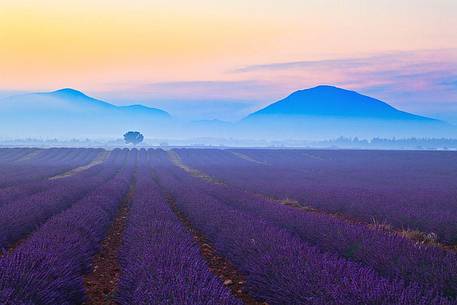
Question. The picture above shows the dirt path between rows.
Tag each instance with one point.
(247, 158)
(34, 153)
(101, 157)
(217, 264)
(413, 235)
(101, 283)
(10, 249)
(176, 160)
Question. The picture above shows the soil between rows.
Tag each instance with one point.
(413, 235)
(217, 264)
(101, 283)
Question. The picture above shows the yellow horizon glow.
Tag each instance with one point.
(48, 43)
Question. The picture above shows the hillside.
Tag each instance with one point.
(71, 113)
(327, 112)
(328, 101)
(322, 112)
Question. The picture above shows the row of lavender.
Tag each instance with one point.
(48, 268)
(8, 155)
(160, 261)
(251, 232)
(22, 216)
(280, 267)
(409, 190)
(388, 254)
(45, 164)
(35, 179)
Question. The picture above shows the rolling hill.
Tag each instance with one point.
(72, 101)
(70, 113)
(327, 111)
(335, 102)
(322, 112)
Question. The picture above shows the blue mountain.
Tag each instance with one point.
(322, 112)
(70, 101)
(333, 102)
(68, 95)
(327, 112)
(71, 113)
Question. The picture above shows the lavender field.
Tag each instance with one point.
(415, 190)
(235, 226)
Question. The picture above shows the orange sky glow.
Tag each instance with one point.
(104, 46)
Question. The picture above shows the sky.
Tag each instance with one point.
(222, 59)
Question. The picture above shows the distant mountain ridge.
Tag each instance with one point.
(325, 112)
(71, 113)
(75, 97)
(322, 112)
(329, 101)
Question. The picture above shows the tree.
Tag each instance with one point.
(133, 137)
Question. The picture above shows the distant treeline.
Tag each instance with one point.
(407, 143)
(338, 143)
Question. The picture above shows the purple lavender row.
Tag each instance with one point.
(389, 254)
(161, 263)
(42, 156)
(405, 189)
(24, 189)
(17, 167)
(48, 165)
(279, 267)
(408, 190)
(8, 155)
(21, 217)
(12, 154)
(48, 268)
(14, 173)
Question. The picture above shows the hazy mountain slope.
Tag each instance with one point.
(70, 100)
(71, 113)
(334, 102)
(318, 113)
(326, 112)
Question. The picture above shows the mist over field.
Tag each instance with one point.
(314, 114)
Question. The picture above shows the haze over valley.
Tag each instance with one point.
(319, 113)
